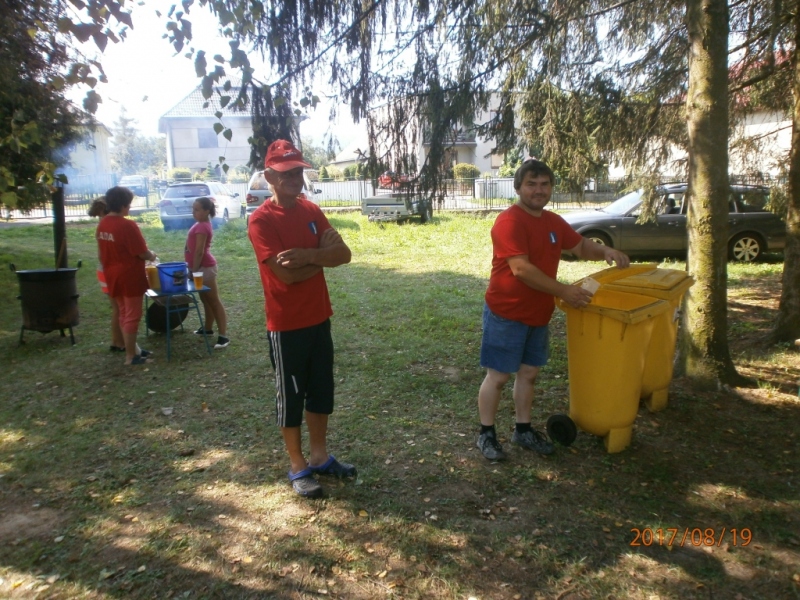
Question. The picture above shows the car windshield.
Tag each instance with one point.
(622, 205)
(187, 191)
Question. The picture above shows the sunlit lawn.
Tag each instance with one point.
(104, 493)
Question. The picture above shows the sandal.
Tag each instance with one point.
(335, 468)
(303, 483)
(138, 360)
(116, 348)
(145, 353)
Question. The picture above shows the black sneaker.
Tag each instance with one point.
(222, 342)
(490, 447)
(533, 440)
(304, 484)
(207, 331)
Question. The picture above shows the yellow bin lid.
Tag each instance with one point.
(621, 306)
(645, 279)
(658, 283)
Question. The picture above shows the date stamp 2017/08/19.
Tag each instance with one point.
(689, 536)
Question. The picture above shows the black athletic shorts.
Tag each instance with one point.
(303, 363)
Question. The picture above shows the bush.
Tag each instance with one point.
(511, 162)
(180, 173)
(323, 173)
(779, 200)
(240, 174)
(210, 174)
(335, 173)
(466, 171)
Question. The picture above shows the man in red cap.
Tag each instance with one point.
(293, 242)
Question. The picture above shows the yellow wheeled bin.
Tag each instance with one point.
(665, 284)
(607, 344)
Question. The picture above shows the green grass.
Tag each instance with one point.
(102, 495)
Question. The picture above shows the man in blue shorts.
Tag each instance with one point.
(527, 242)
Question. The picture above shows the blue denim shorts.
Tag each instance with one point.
(507, 344)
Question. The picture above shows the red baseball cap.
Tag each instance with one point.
(283, 156)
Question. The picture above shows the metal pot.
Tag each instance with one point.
(49, 300)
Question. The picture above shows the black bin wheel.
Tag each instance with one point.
(562, 429)
(157, 317)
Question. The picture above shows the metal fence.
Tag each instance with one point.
(484, 193)
(466, 194)
(79, 194)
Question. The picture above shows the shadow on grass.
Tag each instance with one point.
(201, 501)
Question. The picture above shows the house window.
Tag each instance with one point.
(497, 161)
(207, 138)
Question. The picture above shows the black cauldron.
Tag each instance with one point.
(49, 300)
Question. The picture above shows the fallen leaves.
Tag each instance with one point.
(289, 569)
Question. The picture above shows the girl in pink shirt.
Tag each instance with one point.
(197, 253)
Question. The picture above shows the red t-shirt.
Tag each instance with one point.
(120, 242)
(541, 239)
(273, 229)
(201, 227)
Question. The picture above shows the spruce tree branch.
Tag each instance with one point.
(769, 133)
(604, 11)
(336, 41)
(766, 73)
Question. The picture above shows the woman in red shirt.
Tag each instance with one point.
(99, 209)
(123, 251)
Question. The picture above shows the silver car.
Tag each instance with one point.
(752, 230)
(176, 204)
(258, 191)
(135, 183)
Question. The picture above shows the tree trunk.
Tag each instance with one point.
(705, 356)
(787, 325)
(59, 228)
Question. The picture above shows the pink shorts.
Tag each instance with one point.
(130, 313)
(209, 273)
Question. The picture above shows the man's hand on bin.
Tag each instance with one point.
(612, 256)
(575, 296)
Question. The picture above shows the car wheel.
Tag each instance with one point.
(225, 216)
(243, 212)
(599, 238)
(745, 247)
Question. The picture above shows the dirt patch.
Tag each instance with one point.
(19, 525)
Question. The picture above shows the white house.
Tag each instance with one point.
(191, 139)
(759, 145)
(90, 155)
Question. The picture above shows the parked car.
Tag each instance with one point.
(135, 183)
(392, 180)
(752, 229)
(175, 207)
(258, 191)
